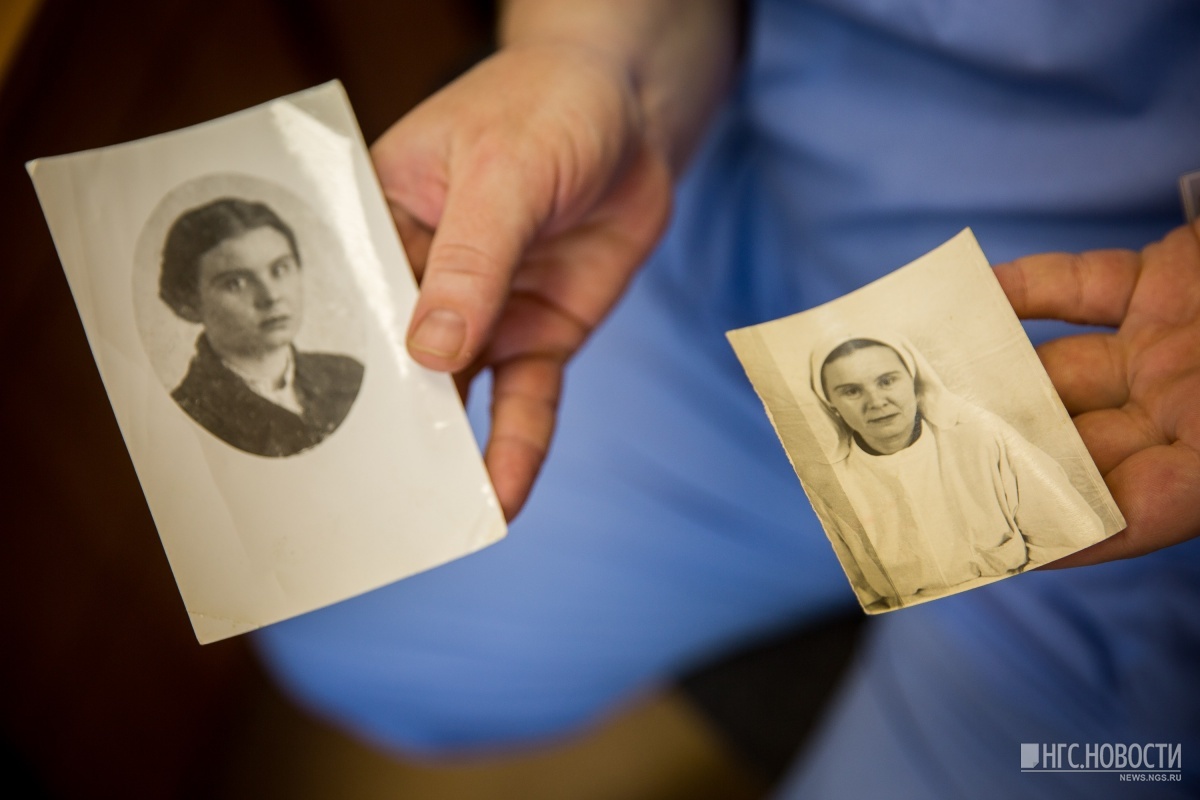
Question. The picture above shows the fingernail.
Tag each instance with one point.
(440, 333)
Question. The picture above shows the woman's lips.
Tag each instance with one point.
(883, 420)
(276, 322)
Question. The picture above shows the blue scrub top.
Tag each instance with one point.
(667, 525)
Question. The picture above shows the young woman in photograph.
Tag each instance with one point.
(233, 266)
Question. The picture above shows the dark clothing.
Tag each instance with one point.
(218, 399)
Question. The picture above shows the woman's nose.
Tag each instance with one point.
(268, 294)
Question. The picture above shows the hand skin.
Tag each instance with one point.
(1134, 394)
(529, 191)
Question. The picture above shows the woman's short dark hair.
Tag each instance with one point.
(199, 230)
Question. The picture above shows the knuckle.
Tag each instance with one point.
(460, 268)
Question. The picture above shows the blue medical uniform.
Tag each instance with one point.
(667, 525)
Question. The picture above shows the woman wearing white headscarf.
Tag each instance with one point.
(949, 496)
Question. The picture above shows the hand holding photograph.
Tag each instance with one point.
(926, 433)
(245, 295)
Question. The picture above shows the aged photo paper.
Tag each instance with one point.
(246, 297)
(1189, 195)
(926, 433)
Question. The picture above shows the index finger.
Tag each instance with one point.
(1092, 288)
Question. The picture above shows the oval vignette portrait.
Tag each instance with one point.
(248, 314)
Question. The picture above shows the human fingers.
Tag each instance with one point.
(1168, 291)
(416, 237)
(1088, 371)
(1156, 489)
(533, 341)
(522, 147)
(1113, 435)
(582, 272)
(565, 285)
(525, 394)
(1092, 288)
(489, 217)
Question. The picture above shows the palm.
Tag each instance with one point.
(1133, 392)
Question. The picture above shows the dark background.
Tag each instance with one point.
(105, 690)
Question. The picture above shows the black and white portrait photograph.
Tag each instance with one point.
(247, 277)
(244, 293)
(926, 434)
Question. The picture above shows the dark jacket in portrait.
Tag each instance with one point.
(218, 399)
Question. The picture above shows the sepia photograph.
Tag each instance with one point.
(245, 293)
(926, 434)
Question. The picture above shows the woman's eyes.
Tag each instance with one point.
(282, 267)
(854, 392)
(240, 283)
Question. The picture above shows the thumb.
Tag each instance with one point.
(491, 214)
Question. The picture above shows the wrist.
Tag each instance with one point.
(675, 58)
